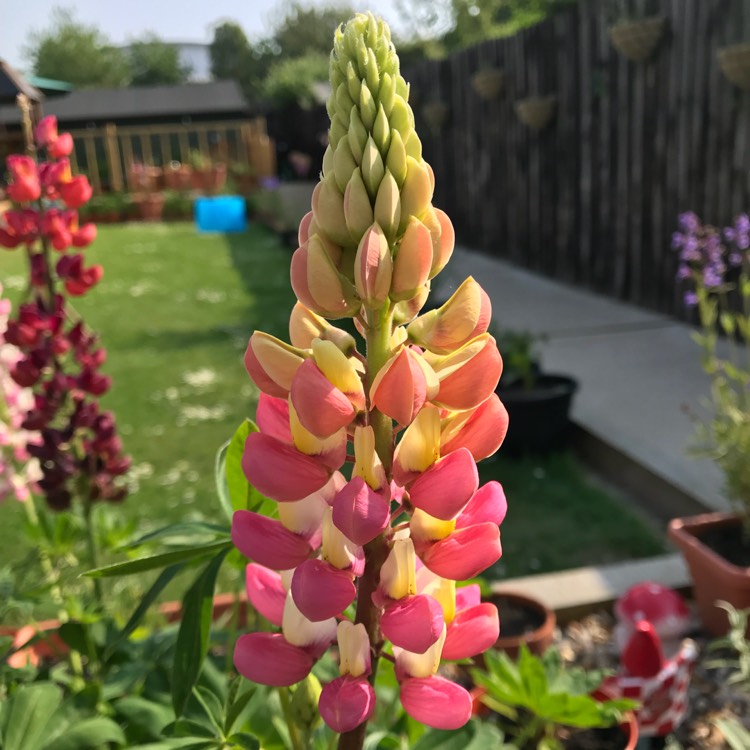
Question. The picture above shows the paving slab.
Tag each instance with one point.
(639, 371)
(573, 592)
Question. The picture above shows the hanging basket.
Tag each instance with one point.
(436, 113)
(536, 112)
(734, 62)
(638, 40)
(488, 83)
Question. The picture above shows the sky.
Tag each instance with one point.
(173, 20)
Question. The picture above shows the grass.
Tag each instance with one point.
(175, 310)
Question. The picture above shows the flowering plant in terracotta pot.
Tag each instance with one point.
(715, 267)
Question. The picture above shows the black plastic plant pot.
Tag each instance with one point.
(539, 416)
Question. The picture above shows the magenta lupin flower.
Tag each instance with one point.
(368, 558)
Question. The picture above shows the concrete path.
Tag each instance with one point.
(637, 369)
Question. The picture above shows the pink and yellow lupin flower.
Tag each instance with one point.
(369, 559)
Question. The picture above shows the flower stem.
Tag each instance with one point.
(378, 352)
(286, 707)
(92, 549)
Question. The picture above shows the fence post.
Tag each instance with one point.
(113, 156)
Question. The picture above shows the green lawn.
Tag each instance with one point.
(175, 310)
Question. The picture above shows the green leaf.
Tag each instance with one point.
(220, 480)
(734, 733)
(240, 490)
(148, 717)
(27, 714)
(146, 601)
(195, 628)
(236, 708)
(245, 741)
(88, 734)
(159, 561)
(184, 532)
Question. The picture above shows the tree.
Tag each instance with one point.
(293, 79)
(71, 51)
(308, 29)
(234, 58)
(153, 62)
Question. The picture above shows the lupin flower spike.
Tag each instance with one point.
(381, 551)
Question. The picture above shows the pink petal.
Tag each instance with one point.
(487, 505)
(346, 702)
(265, 592)
(267, 658)
(266, 541)
(472, 383)
(321, 591)
(272, 417)
(321, 407)
(400, 388)
(465, 553)
(472, 632)
(468, 596)
(280, 471)
(436, 702)
(484, 431)
(445, 488)
(413, 623)
(359, 512)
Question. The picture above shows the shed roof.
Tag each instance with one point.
(142, 102)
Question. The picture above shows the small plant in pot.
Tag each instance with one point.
(715, 266)
(541, 705)
(538, 403)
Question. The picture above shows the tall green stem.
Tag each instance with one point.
(378, 352)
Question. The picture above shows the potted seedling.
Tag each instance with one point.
(538, 403)
(177, 176)
(716, 546)
(541, 705)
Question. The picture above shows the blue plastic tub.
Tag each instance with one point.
(222, 213)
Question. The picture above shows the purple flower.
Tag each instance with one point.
(270, 183)
(742, 224)
(689, 222)
(713, 275)
(683, 272)
(691, 299)
(735, 259)
(677, 240)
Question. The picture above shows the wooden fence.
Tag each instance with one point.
(107, 154)
(593, 197)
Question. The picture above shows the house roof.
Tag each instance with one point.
(141, 102)
(13, 83)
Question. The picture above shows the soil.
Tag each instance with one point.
(517, 619)
(612, 738)
(728, 541)
(589, 643)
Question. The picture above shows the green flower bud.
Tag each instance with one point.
(388, 206)
(328, 210)
(372, 76)
(373, 169)
(413, 146)
(387, 93)
(328, 162)
(416, 192)
(353, 82)
(357, 207)
(396, 159)
(367, 108)
(338, 129)
(304, 704)
(343, 164)
(357, 135)
(344, 102)
(381, 131)
(401, 118)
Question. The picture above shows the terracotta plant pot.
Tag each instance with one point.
(734, 62)
(216, 177)
(143, 179)
(538, 637)
(178, 178)
(150, 206)
(638, 40)
(488, 83)
(714, 578)
(536, 112)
